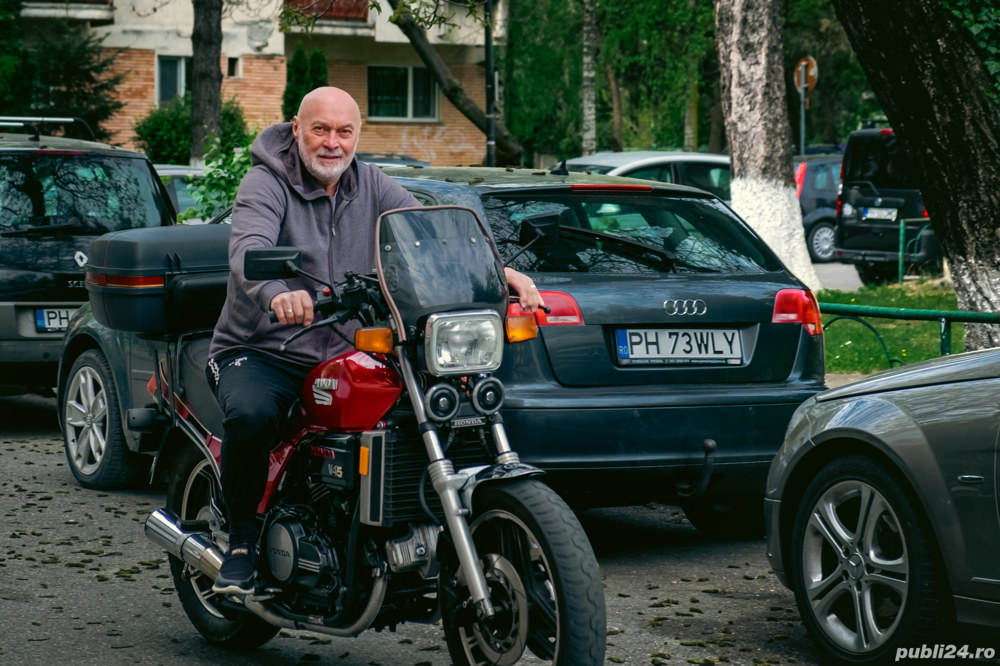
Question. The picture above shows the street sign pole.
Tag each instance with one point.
(802, 108)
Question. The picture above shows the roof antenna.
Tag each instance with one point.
(560, 170)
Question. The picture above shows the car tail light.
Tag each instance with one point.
(798, 306)
(598, 187)
(800, 177)
(840, 190)
(563, 310)
(926, 214)
(885, 131)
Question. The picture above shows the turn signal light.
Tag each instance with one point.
(798, 306)
(520, 324)
(375, 340)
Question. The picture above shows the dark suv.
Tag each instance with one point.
(56, 195)
(880, 212)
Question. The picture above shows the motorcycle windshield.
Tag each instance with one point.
(437, 259)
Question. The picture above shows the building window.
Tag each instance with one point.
(401, 93)
(233, 70)
(173, 74)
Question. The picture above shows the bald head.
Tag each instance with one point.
(327, 128)
(329, 99)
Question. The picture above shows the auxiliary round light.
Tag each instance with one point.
(442, 402)
(488, 395)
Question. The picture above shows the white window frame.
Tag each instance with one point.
(409, 117)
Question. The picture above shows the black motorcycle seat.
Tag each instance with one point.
(197, 392)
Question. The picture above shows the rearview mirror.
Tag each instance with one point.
(272, 263)
(537, 227)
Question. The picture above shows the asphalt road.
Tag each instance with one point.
(80, 584)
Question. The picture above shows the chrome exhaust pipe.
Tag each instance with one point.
(194, 548)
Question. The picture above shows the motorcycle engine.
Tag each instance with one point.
(297, 553)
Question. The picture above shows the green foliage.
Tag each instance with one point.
(542, 65)
(11, 52)
(164, 134)
(982, 18)
(842, 97)
(851, 347)
(304, 74)
(61, 71)
(224, 169)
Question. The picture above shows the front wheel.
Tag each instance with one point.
(543, 580)
(864, 564)
(193, 487)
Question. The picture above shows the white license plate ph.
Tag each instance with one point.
(646, 346)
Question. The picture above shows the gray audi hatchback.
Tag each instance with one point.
(674, 350)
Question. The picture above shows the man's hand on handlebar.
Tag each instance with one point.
(293, 307)
(525, 288)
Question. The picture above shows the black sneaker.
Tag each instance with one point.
(236, 573)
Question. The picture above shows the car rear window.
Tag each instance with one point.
(86, 193)
(619, 233)
(880, 160)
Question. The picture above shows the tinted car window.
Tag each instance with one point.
(661, 174)
(709, 177)
(882, 160)
(624, 234)
(90, 193)
(589, 168)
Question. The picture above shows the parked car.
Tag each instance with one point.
(56, 195)
(676, 348)
(882, 509)
(705, 171)
(817, 183)
(390, 160)
(178, 179)
(879, 192)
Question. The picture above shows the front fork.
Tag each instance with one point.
(447, 484)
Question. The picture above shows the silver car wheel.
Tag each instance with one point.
(822, 240)
(855, 566)
(86, 416)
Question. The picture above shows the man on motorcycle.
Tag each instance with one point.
(306, 190)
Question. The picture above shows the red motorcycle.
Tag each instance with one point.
(394, 495)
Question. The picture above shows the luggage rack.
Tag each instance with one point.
(35, 124)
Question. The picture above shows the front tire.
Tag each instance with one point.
(93, 434)
(864, 565)
(543, 579)
(193, 486)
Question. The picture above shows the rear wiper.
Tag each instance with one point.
(626, 246)
(53, 230)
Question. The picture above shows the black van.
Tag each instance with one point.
(880, 211)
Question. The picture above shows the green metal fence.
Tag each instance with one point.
(945, 318)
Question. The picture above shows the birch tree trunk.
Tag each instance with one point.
(752, 90)
(589, 76)
(934, 88)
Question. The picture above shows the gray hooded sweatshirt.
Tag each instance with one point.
(280, 203)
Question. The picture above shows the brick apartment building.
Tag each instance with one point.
(402, 109)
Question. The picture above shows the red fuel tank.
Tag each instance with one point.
(349, 393)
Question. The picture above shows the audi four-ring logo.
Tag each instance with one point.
(686, 306)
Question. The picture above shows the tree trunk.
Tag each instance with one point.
(206, 75)
(617, 138)
(691, 113)
(752, 88)
(589, 76)
(509, 150)
(933, 87)
(717, 128)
